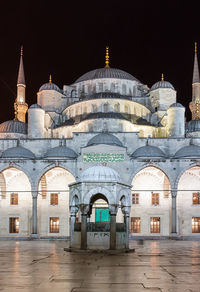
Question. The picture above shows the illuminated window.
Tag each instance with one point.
(117, 107)
(14, 224)
(54, 199)
(135, 225)
(135, 198)
(195, 224)
(155, 198)
(155, 224)
(13, 199)
(196, 198)
(54, 224)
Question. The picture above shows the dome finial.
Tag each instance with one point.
(162, 77)
(50, 78)
(107, 58)
(21, 53)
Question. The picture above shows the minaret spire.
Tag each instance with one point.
(20, 105)
(195, 103)
(196, 67)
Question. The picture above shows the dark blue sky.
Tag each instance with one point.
(68, 38)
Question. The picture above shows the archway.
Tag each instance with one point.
(188, 202)
(151, 203)
(15, 203)
(53, 202)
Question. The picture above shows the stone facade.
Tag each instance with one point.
(103, 142)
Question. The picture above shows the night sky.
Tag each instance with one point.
(68, 38)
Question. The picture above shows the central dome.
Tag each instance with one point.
(106, 73)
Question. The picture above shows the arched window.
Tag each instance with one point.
(112, 87)
(73, 93)
(105, 107)
(94, 108)
(127, 109)
(100, 87)
(117, 107)
(90, 128)
(124, 89)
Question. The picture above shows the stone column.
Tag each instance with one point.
(127, 231)
(112, 231)
(84, 215)
(174, 216)
(34, 214)
(72, 222)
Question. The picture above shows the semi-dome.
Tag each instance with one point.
(50, 86)
(188, 151)
(162, 84)
(106, 73)
(18, 152)
(13, 126)
(100, 173)
(35, 106)
(193, 126)
(148, 151)
(176, 105)
(104, 138)
(60, 151)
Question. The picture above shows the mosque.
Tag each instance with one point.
(101, 160)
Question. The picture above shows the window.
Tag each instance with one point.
(13, 199)
(135, 198)
(196, 198)
(123, 88)
(117, 107)
(54, 224)
(155, 224)
(135, 225)
(195, 224)
(155, 198)
(54, 199)
(14, 225)
(105, 108)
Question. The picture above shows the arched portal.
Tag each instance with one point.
(53, 202)
(15, 203)
(188, 202)
(151, 203)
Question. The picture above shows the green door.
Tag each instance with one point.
(102, 215)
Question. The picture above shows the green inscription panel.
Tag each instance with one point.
(103, 157)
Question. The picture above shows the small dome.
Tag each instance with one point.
(35, 106)
(100, 174)
(162, 84)
(50, 86)
(60, 151)
(188, 151)
(13, 126)
(148, 151)
(104, 138)
(18, 152)
(176, 105)
(193, 126)
(106, 73)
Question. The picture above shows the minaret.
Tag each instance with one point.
(20, 104)
(195, 103)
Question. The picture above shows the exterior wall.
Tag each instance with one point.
(154, 182)
(51, 100)
(162, 98)
(36, 123)
(190, 180)
(176, 122)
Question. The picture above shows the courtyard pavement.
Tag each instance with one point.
(155, 266)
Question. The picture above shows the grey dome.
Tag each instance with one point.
(13, 126)
(148, 151)
(106, 73)
(100, 173)
(104, 138)
(188, 151)
(176, 105)
(18, 152)
(35, 106)
(60, 151)
(162, 84)
(193, 126)
(50, 86)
